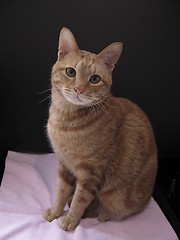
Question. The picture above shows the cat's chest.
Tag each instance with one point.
(71, 146)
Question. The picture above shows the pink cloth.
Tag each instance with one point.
(28, 188)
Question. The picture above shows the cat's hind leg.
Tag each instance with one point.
(113, 206)
(103, 215)
(118, 205)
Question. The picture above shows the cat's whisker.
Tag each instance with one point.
(93, 110)
(106, 112)
(100, 105)
(48, 97)
(111, 106)
(48, 90)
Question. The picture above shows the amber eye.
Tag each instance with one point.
(71, 72)
(95, 79)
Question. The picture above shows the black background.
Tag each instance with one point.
(147, 73)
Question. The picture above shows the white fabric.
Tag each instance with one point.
(28, 188)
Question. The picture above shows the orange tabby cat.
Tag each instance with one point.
(105, 146)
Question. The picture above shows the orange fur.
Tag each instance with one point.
(105, 146)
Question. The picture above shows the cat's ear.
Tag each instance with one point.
(111, 54)
(67, 43)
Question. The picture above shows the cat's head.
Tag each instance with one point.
(81, 77)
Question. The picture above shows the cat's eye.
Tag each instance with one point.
(95, 79)
(71, 72)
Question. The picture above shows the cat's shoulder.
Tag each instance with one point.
(124, 102)
(127, 106)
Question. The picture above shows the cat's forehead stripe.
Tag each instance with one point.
(79, 64)
(92, 67)
(86, 62)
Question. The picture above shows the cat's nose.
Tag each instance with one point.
(79, 90)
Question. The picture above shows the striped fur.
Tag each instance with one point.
(105, 146)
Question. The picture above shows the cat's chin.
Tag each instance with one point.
(78, 102)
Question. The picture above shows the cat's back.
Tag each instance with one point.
(128, 110)
(133, 122)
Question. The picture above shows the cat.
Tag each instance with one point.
(105, 146)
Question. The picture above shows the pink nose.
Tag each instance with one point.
(79, 90)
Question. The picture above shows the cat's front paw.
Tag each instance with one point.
(68, 223)
(50, 214)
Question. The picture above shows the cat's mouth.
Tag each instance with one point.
(78, 98)
(75, 99)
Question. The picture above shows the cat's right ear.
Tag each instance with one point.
(67, 43)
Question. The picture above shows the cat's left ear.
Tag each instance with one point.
(67, 43)
(111, 54)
